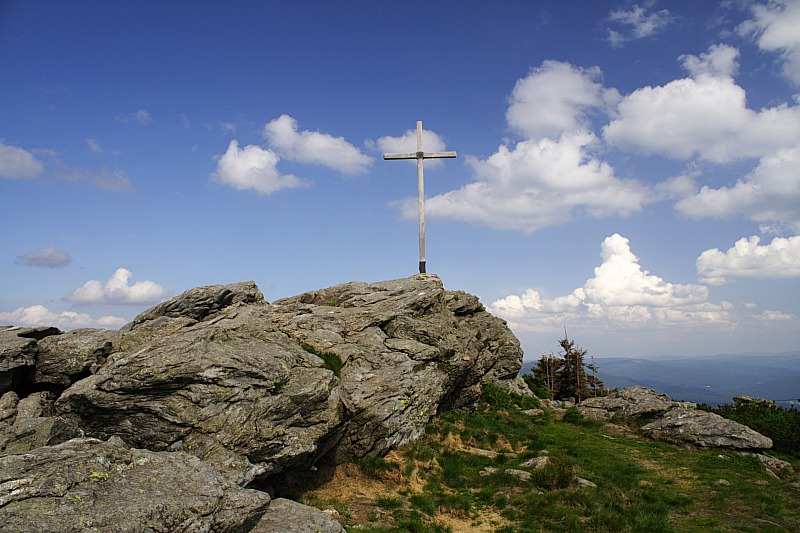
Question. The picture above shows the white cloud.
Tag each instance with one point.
(748, 259)
(774, 26)
(407, 143)
(721, 61)
(141, 116)
(621, 295)
(314, 147)
(46, 257)
(94, 146)
(776, 316)
(106, 178)
(620, 281)
(546, 178)
(16, 163)
(254, 168)
(97, 148)
(639, 22)
(554, 99)
(117, 291)
(771, 192)
(39, 315)
(703, 116)
(536, 184)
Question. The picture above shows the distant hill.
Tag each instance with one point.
(707, 379)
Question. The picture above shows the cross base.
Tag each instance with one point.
(422, 267)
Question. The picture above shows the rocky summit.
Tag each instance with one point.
(170, 423)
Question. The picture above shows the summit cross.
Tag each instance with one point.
(420, 156)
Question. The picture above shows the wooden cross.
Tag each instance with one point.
(419, 155)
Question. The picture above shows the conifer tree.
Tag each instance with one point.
(565, 376)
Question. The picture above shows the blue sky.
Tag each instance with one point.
(629, 171)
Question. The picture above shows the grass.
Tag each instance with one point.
(331, 361)
(454, 479)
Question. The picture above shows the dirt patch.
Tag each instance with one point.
(484, 521)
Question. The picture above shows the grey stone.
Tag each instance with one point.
(287, 516)
(632, 402)
(94, 486)
(244, 390)
(522, 475)
(410, 349)
(66, 358)
(232, 390)
(537, 462)
(706, 430)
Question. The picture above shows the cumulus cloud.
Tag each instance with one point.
(407, 143)
(314, 147)
(620, 295)
(546, 178)
(774, 28)
(703, 116)
(17, 163)
(557, 170)
(553, 99)
(39, 315)
(118, 291)
(106, 178)
(638, 22)
(749, 259)
(46, 257)
(771, 192)
(254, 168)
(536, 184)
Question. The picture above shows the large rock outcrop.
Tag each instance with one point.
(409, 349)
(253, 391)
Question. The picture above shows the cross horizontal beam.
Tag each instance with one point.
(423, 155)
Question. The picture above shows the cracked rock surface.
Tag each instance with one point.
(93, 486)
(163, 421)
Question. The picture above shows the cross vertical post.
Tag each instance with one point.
(420, 156)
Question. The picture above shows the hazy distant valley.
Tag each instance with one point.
(708, 379)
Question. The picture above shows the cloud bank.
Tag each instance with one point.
(620, 296)
(569, 123)
(39, 315)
